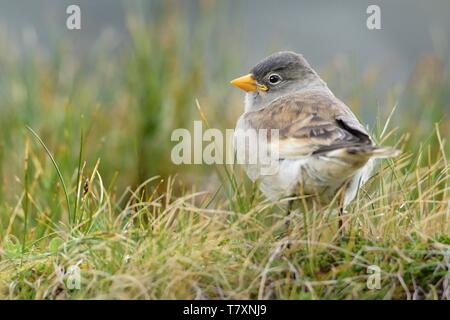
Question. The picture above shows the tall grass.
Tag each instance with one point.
(161, 245)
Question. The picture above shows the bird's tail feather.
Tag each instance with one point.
(376, 152)
(362, 153)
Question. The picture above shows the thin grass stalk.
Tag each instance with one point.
(61, 179)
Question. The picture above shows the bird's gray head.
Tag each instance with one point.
(278, 75)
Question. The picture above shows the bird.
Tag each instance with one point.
(322, 147)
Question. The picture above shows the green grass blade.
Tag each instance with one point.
(57, 170)
(77, 193)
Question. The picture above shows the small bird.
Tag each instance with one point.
(322, 147)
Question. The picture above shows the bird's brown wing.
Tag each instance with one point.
(310, 123)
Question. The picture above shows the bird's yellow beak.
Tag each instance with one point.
(248, 83)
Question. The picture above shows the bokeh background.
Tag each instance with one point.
(134, 71)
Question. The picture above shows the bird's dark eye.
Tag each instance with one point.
(274, 78)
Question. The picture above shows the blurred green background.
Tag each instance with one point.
(135, 70)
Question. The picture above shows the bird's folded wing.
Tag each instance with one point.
(309, 123)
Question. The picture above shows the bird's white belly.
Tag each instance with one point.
(315, 175)
(280, 184)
